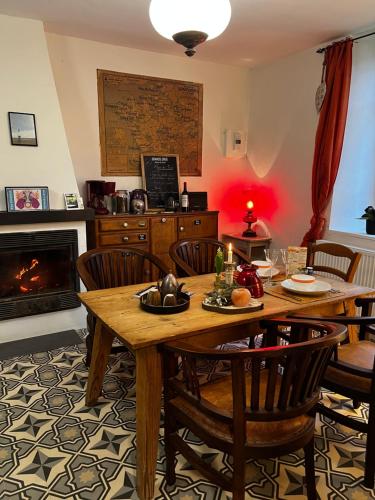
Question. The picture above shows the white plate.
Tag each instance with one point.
(263, 273)
(316, 288)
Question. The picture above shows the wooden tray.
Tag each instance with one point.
(233, 309)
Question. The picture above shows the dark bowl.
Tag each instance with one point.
(183, 303)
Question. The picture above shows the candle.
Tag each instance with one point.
(230, 254)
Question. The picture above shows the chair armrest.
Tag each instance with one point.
(343, 320)
(363, 301)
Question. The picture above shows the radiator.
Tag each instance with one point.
(365, 275)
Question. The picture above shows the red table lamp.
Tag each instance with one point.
(249, 219)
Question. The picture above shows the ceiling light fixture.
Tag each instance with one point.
(190, 22)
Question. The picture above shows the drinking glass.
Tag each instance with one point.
(271, 257)
(284, 258)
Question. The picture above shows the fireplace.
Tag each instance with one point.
(37, 272)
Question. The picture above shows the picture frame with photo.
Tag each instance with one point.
(73, 201)
(22, 129)
(26, 198)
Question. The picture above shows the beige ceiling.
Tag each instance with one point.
(260, 30)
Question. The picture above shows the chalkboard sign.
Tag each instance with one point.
(161, 180)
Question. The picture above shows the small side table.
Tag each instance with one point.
(253, 247)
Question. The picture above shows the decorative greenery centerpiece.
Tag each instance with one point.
(369, 216)
(221, 296)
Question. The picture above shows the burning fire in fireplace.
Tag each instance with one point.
(27, 277)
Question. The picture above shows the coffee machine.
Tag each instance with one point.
(96, 192)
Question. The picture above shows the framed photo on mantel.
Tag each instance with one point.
(160, 175)
(23, 199)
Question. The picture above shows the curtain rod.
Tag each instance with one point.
(323, 49)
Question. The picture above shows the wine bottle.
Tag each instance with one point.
(185, 199)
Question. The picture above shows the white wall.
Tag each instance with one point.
(225, 105)
(27, 85)
(282, 129)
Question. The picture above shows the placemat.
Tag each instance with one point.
(279, 291)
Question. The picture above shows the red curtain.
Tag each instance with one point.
(330, 133)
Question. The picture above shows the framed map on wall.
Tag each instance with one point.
(142, 115)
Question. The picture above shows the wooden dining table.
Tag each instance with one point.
(118, 314)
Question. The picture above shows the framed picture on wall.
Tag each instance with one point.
(23, 199)
(22, 129)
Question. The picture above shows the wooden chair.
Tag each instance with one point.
(112, 267)
(263, 412)
(351, 259)
(197, 256)
(352, 374)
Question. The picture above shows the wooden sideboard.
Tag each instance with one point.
(152, 232)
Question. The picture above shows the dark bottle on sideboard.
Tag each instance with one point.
(185, 199)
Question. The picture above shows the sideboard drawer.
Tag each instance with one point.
(197, 226)
(123, 238)
(123, 224)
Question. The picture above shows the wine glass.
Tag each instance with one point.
(272, 256)
(284, 258)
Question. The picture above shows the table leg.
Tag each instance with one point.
(99, 358)
(148, 397)
(353, 330)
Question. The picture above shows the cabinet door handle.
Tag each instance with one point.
(163, 220)
(142, 224)
(182, 228)
(125, 224)
(125, 238)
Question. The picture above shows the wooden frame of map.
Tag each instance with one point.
(139, 114)
(161, 180)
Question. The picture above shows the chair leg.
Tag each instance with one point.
(370, 449)
(310, 470)
(356, 404)
(239, 494)
(170, 427)
(238, 479)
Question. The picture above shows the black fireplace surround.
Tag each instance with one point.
(38, 273)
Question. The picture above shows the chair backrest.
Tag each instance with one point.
(285, 379)
(350, 259)
(112, 267)
(197, 256)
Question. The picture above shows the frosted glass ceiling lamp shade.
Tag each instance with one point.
(190, 22)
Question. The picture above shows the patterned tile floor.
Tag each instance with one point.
(52, 446)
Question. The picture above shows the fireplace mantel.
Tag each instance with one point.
(46, 216)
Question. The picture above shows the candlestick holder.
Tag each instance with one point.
(229, 268)
(249, 219)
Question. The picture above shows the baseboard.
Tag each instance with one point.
(39, 344)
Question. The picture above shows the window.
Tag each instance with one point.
(355, 184)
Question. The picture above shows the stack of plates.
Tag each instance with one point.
(264, 269)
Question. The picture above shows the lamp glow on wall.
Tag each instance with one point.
(190, 22)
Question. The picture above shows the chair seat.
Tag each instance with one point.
(359, 354)
(259, 434)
